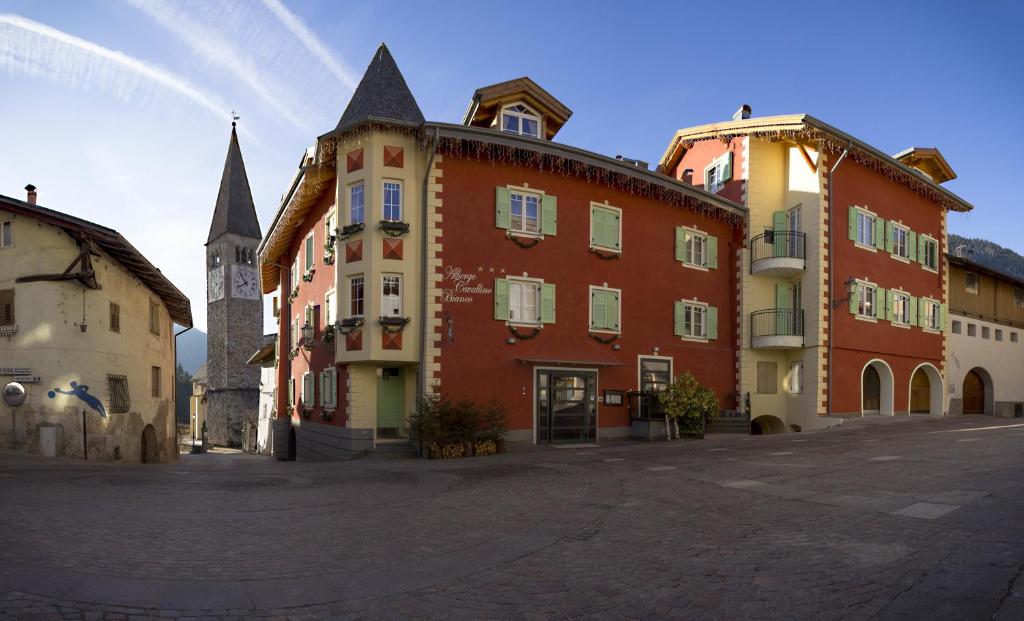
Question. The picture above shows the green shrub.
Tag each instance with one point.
(688, 402)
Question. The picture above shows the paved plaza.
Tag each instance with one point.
(914, 518)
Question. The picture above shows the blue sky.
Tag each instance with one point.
(119, 110)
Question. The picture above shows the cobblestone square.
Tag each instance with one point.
(877, 519)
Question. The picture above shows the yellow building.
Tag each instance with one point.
(87, 327)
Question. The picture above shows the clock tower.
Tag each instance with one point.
(234, 305)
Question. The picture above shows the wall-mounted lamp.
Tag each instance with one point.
(616, 347)
(656, 350)
(83, 327)
(851, 286)
(307, 333)
(511, 340)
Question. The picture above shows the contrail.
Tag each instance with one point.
(217, 51)
(312, 43)
(36, 49)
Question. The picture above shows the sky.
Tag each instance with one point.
(119, 111)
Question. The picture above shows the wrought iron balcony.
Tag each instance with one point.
(777, 328)
(778, 253)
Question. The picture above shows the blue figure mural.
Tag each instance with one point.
(82, 392)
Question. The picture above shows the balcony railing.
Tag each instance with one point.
(778, 245)
(777, 322)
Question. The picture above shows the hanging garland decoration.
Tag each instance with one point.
(604, 340)
(522, 244)
(565, 165)
(605, 255)
(522, 336)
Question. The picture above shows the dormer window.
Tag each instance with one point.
(519, 119)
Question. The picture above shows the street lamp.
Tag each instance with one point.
(307, 333)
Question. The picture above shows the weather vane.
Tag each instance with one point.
(234, 118)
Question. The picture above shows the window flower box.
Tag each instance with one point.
(393, 228)
(327, 414)
(349, 230)
(308, 276)
(348, 324)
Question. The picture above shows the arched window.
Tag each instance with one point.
(238, 254)
(214, 259)
(518, 119)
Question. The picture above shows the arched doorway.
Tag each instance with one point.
(292, 448)
(978, 393)
(876, 389)
(766, 424)
(926, 391)
(150, 449)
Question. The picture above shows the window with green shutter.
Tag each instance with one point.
(696, 248)
(928, 253)
(695, 320)
(309, 252)
(604, 309)
(524, 301)
(525, 213)
(605, 228)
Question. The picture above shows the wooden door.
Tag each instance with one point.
(390, 401)
(872, 390)
(974, 394)
(920, 393)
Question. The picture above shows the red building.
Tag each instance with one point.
(844, 277)
(483, 260)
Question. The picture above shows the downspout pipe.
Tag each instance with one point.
(177, 440)
(831, 282)
(421, 377)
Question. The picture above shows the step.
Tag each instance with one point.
(393, 450)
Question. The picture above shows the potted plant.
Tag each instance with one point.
(688, 405)
(393, 228)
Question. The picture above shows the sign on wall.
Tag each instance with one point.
(460, 287)
(15, 371)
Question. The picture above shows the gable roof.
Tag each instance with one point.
(806, 127)
(117, 247)
(234, 211)
(381, 94)
(488, 100)
(928, 160)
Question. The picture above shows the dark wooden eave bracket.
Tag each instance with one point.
(85, 274)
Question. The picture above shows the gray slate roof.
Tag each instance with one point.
(234, 211)
(381, 94)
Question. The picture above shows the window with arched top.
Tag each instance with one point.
(518, 119)
(214, 259)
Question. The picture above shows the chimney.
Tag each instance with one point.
(688, 176)
(31, 189)
(742, 113)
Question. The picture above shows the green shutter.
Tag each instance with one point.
(501, 299)
(852, 224)
(613, 308)
(547, 303)
(680, 244)
(911, 245)
(727, 168)
(912, 311)
(855, 300)
(612, 226)
(783, 302)
(291, 390)
(323, 388)
(880, 303)
(503, 209)
(890, 312)
(921, 319)
(779, 240)
(922, 251)
(712, 248)
(596, 226)
(712, 322)
(890, 230)
(598, 313)
(942, 317)
(549, 215)
(678, 316)
(309, 254)
(879, 233)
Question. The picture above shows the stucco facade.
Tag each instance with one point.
(804, 265)
(84, 344)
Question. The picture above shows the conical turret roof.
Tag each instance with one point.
(381, 94)
(234, 211)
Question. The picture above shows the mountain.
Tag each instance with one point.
(991, 255)
(192, 350)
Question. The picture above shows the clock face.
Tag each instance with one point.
(244, 283)
(215, 284)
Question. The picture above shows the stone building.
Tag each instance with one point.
(87, 327)
(234, 305)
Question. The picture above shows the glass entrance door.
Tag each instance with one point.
(566, 406)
